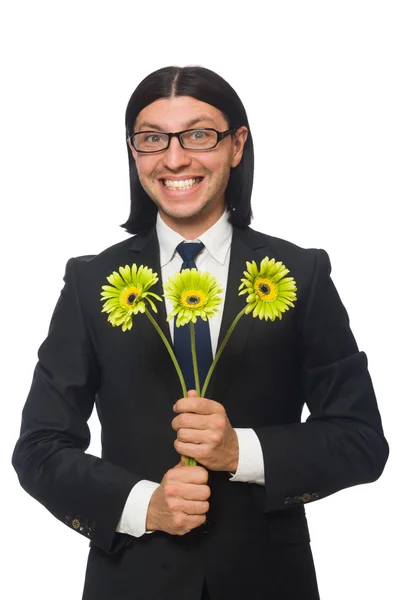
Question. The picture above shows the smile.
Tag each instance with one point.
(175, 188)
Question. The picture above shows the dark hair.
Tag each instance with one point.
(207, 86)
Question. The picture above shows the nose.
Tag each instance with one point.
(176, 156)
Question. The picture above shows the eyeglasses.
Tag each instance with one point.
(189, 139)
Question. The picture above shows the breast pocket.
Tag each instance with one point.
(271, 335)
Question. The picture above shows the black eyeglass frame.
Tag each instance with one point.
(220, 136)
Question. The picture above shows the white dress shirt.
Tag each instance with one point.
(215, 258)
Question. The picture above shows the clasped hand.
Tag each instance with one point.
(204, 433)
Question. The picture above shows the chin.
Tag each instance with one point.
(183, 212)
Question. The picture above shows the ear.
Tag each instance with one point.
(133, 151)
(239, 139)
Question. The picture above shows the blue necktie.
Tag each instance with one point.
(182, 345)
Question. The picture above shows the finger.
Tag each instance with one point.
(192, 474)
(190, 421)
(193, 521)
(196, 451)
(194, 507)
(194, 404)
(194, 491)
(193, 436)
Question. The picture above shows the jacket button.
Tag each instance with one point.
(306, 497)
(75, 523)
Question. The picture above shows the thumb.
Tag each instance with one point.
(191, 393)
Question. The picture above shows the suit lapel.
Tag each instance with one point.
(146, 252)
(145, 249)
(244, 244)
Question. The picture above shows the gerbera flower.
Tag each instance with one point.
(128, 294)
(270, 293)
(193, 294)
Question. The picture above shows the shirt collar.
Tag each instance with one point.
(217, 239)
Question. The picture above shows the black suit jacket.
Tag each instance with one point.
(256, 542)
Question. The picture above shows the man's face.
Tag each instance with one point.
(206, 199)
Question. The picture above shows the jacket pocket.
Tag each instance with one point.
(288, 526)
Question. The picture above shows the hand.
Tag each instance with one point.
(180, 503)
(204, 432)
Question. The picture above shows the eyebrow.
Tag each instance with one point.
(187, 125)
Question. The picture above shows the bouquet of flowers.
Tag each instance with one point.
(196, 295)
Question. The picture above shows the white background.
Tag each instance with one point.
(318, 80)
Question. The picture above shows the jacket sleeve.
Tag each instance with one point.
(342, 443)
(83, 491)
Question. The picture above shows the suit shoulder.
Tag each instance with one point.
(280, 244)
(302, 260)
(104, 255)
(91, 268)
(269, 240)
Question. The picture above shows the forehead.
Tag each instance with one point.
(173, 114)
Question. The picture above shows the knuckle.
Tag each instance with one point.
(181, 434)
(203, 474)
(182, 420)
(206, 452)
(178, 520)
(173, 504)
(169, 490)
(220, 422)
(171, 475)
(216, 437)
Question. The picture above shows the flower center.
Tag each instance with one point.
(266, 289)
(193, 299)
(129, 296)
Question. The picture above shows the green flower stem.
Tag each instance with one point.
(170, 351)
(194, 358)
(218, 354)
(188, 461)
(191, 462)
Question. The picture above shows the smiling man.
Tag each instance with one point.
(188, 187)
(233, 526)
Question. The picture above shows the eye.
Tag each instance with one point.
(153, 138)
(198, 134)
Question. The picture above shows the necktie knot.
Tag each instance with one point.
(188, 252)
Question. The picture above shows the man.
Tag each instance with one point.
(234, 525)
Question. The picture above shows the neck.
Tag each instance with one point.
(192, 227)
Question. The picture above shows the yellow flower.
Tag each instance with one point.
(193, 294)
(270, 293)
(128, 294)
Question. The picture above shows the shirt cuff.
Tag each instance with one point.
(250, 468)
(133, 519)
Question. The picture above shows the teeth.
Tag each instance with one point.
(182, 185)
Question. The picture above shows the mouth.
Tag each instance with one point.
(182, 187)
